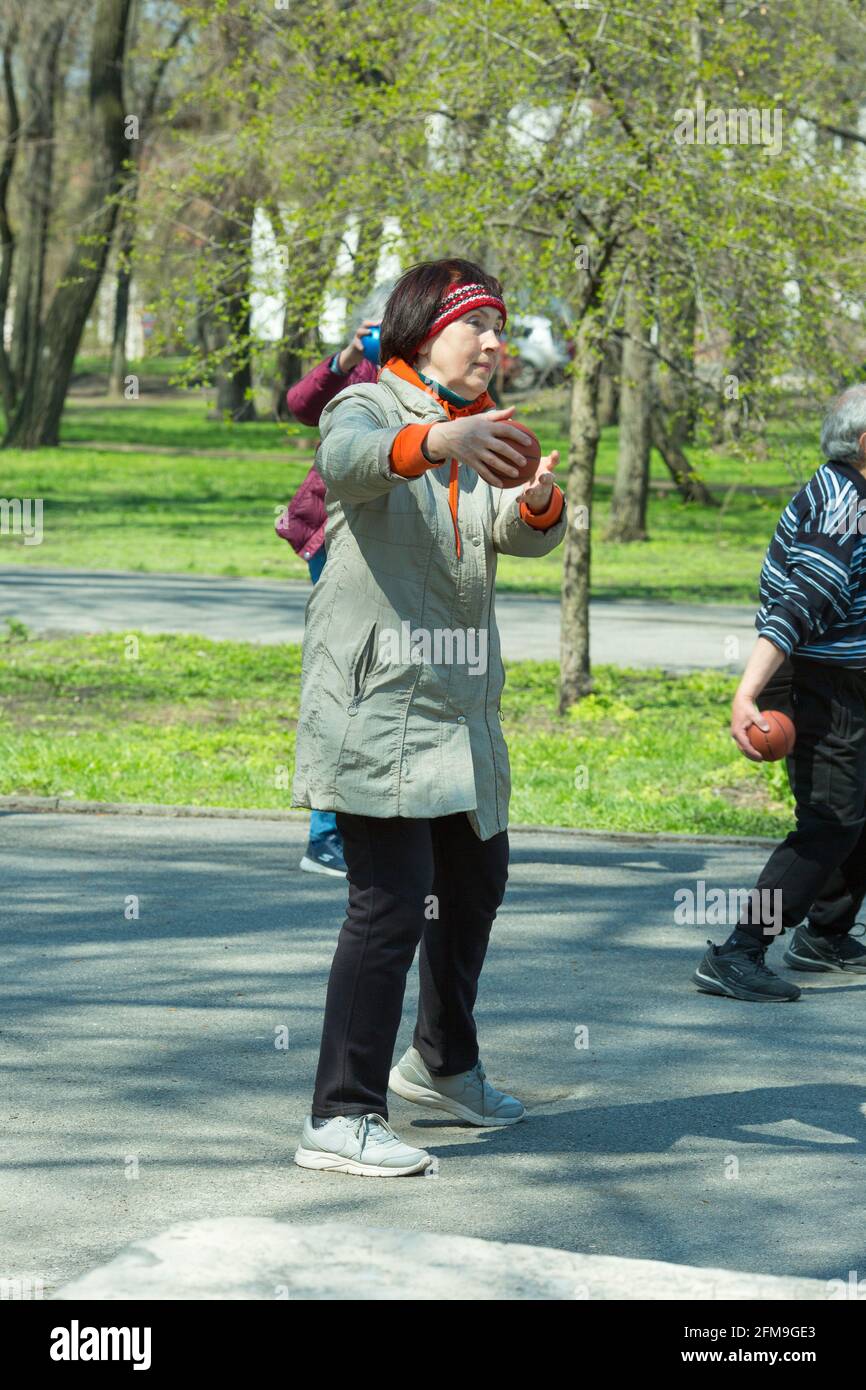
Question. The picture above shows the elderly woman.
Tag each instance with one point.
(399, 729)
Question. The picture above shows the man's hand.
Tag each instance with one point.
(764, 661)
(351, 355)
(538, 492)
(745, 713)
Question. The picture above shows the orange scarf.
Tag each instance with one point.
(400, 367)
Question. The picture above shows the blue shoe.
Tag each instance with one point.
(325, 856)
(469, 1095)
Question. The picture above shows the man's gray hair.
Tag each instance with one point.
(843, 425)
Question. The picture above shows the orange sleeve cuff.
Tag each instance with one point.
(406, 456)
(549, 517)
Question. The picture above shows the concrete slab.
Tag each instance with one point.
(233, 1258)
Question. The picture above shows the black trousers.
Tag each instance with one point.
(428, 882)
(820, 867)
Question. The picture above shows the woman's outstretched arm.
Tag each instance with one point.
(354, 458)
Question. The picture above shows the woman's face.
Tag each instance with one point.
(463, 356)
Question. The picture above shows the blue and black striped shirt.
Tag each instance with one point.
(813, 580)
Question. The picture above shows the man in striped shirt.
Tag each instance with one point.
(810, 661)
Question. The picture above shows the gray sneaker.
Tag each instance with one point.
(468, 1095)
(737, 969)
(361, 1144)
(810, 951)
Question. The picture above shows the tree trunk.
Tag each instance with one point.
(233, 375)
(117, 370)
(227, 320)
(575, 679)
(37, 189)
(8, 389)
(309, 269)
(366, 260)
(37, 419)
(677, 345)
(291, 355)
(126, 239)
(608, 385)
(735, 410)
(235, 387)
(691, 487)
(628, 509)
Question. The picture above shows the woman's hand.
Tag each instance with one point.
(351, 355)
(538, 492)
(480, 441)
(745, 713)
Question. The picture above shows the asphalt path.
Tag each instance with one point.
(142, 1085)
(624, 632)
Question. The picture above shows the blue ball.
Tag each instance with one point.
(370, 341)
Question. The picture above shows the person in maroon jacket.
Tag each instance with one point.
(305, 532)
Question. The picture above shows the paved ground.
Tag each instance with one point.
(640, 633)
(150, 1042)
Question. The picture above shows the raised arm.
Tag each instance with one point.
(309, 396)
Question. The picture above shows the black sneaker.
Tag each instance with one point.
(737, 970)
(811, 951)
(325, 856)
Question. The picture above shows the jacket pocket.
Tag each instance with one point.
(362, 665)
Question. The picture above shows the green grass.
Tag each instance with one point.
(189, 721)
(180, 511)
(98, 364)
(694, 555)
(792, 453)
(177, 423)
(156, 512)
(188, 514)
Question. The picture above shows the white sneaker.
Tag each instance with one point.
(468, 1095)
(361, 1144)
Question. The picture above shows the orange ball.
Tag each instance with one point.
(531, 452)
(779, 739)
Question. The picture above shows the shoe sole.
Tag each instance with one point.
(432, 1100)
(313, 868)
(708, 985)
(335, 1163)
(807, 963)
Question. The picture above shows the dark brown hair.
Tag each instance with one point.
(414, 302)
